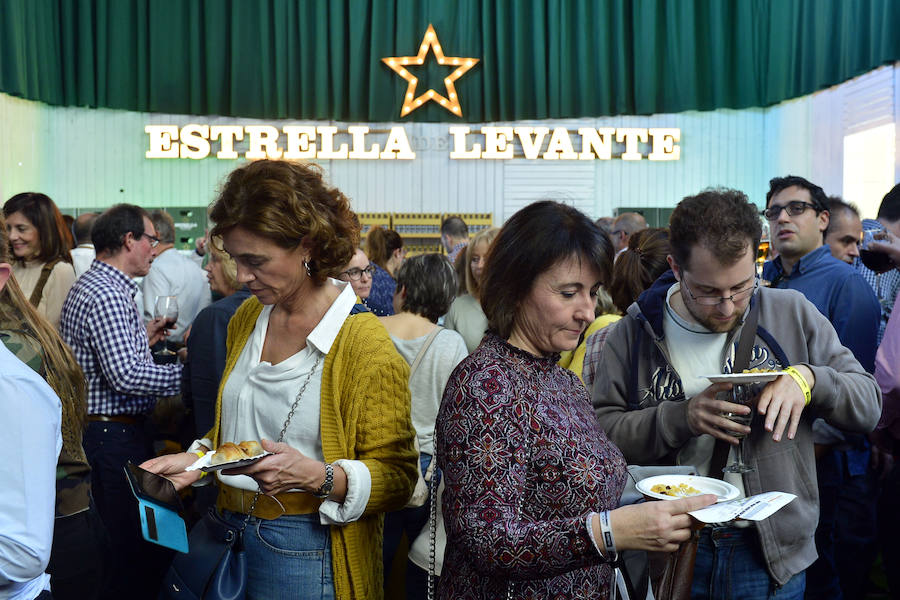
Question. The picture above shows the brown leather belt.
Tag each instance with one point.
(239, 501)
(126, 419)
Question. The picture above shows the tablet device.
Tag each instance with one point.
(158, 508)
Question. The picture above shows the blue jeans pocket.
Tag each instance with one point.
(287, 536)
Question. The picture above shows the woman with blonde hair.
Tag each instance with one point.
(315, 378)
(385, 249)
(40, 242)
(76, 563)
(206, 342)
(465, 315)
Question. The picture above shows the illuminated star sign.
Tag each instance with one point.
(410, 101)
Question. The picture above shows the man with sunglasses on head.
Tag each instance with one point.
(652, 399)
(798, 218)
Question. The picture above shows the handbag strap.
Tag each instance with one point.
(38, 292)
(423, 349)
(284, 427)
(741, 362)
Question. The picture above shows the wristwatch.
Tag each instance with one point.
(325, 490)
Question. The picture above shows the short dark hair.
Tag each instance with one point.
(890, 205)
(532, 241)
(430, 284)
(111, 227)
(721, 219)
(82, 227)
(164, 225)
(455, 227)
(836, 205)
(54, 237)
(816, 194)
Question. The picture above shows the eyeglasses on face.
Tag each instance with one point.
(154, 241)
(354, 274)
(716, 300)
(793, 208)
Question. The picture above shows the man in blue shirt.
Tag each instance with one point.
(798, 217)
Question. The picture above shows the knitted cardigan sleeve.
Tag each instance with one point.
(365, 382)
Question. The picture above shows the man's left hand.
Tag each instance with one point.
(782, 402)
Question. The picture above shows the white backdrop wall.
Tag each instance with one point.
(85, 158)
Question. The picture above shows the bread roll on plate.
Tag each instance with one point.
(251, 447)
(226, 453)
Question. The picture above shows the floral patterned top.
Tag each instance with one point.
(525, 463)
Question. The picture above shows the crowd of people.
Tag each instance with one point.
(486, 401)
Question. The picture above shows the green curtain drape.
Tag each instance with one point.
(320, 59)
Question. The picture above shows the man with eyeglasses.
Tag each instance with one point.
(359, 273)
(623, 227)
(652, 399)
(102, 324)
(798, 217)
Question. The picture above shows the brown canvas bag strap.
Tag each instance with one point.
(38, 292)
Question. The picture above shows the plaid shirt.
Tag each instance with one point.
(101, 323)
(886, 286)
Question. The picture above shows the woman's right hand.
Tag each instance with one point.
(658, 526)
(172, 467)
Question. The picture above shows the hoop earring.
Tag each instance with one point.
(306, 264)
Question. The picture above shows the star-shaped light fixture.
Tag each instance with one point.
(410, 101)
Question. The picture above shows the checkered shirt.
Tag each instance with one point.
(101, 323)
(886, 286)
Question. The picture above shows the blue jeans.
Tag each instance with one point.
(730, 567)
(136, 567)
(288, 557)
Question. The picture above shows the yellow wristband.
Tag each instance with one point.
(801, 381)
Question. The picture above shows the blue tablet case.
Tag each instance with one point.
(160, 524)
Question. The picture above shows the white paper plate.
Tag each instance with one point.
(744, 377)
(203, 463)
(707, 485)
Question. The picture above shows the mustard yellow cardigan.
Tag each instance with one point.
(364, 416)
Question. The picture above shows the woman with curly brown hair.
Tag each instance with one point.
(304, 366)
(40, 242)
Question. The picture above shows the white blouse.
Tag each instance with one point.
(258, 396)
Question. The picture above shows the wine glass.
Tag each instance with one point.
(877, 262)
(166, 308)
(740, 394)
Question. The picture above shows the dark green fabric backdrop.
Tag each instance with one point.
(320, 59)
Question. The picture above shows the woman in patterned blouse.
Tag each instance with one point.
(528, 470)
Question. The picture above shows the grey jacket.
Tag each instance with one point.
(639, 401)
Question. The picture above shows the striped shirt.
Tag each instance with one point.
(101, 323)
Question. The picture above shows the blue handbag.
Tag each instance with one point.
(215, 568)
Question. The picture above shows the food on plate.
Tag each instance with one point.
(251, 447)
(755, 370)
(682, 490)
(231, 452)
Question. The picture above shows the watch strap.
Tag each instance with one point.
(328, 485)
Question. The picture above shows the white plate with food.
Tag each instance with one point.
(672, 487)
(229, 456)
(740, 378)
